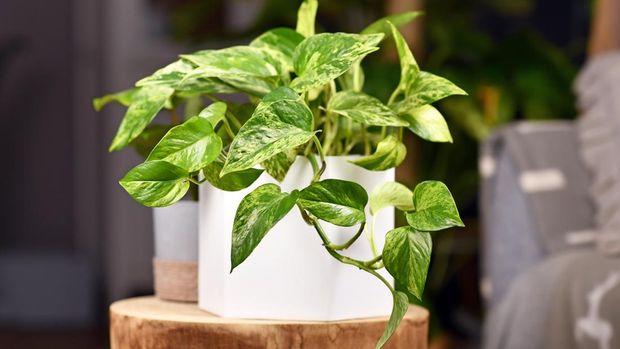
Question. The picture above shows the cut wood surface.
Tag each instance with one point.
(148, 322)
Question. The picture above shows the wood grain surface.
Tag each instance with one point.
(151, 323)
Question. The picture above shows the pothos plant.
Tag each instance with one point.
(305, 98)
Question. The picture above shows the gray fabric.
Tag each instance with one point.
(554, 305)
(520, 228)
(598, 91)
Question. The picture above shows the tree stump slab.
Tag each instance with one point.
(151, 323)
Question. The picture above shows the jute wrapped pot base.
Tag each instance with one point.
(176, 280)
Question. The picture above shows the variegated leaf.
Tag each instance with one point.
(191, 145)
(281, 42)
(306, 17)
(428, 123)
(123, 97)
(427, 88)
(323, 57)
(150, 136)
(399, 309)
(215, 113)
(278, 166)
(279, 123)
(406, 255)
(434, 208)
(257, 213)
(390, 194)
(364, 109)
(335, 201)
(409, 68)
(145, 105)
(231, 182)
(156, 183)
(390, 153)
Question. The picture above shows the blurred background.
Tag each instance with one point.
(71, 241)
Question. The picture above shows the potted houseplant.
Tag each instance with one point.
(297, 161)
(175, 264)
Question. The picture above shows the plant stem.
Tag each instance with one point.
(228, 130)
(350, 241)
(319, 149)
(195, 181)
(373, 261)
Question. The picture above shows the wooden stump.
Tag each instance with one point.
(151, 323)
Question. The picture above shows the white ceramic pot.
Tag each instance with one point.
(175, 265)
(290, 275)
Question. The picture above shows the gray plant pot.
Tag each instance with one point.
(175, 265)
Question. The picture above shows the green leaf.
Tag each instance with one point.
(170, 75)
(390, 194)
(390, 153)
(123, 97)
(156, 183)
(434, 208)
(399, 309)
(257, 213)
(409, 68)
(246, 68)
(406, 255)
(335, 201)
(306, 17)
(428, 123)
(278, 166)
(352, 79)
(148, 139)
(323, 57)
(146, 103)
(231, 182)
(281, 42)
(214, 113)
(382, 25)
(427, 88)
(277, 125)
(191, 145)
(364, 109)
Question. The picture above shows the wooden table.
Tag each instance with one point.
(150, 323)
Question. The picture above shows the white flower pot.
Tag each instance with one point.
(290, 275)
(175, 265)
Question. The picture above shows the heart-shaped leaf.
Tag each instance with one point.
(390, 153)
(434, 208)
(191, 145)
(428, 123)
(306, 16)
(399, 309)
(215, 113)
(279, 123)
(364, 109)
(390, 194)
(257, 213)
(323, 57)
(406, 255)
(123, 97)
(335, 201)
(398, 20)
(231, 182)
(156, 183)
(281, 42)
(145, 105)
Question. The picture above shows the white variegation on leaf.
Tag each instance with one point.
(278, 124)
(280, 42)
(306, 17)
(428, 123)
(156, 183)
(324, 57)
(214, 113)
(390, 194)
(434, 208)
(335, 201)
(191, 145)
(390, 153)
(123, 97)
(364, 109)
(145, 105)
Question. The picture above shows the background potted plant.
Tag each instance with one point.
(175, 264)
(305, 119)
